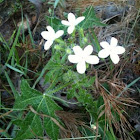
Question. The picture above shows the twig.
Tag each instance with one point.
(53, 119)
(37, 135)
(7, 113)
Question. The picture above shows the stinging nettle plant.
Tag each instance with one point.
(82, 56)
(39, 118)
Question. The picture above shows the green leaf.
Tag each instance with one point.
(56, 3)
(16, 95)
(94, 41)
(54, 65)
(14, 69)
(84, 97)
(12, 50)
(128, 86)
(30, 127)
(90, 19)
(55, 23)
(32, 122)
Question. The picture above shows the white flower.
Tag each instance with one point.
(50, 36)
(83, 56)
(72, 22)
(111, 49)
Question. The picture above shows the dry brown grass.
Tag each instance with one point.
(72, 122)
(82, 4)
(115, 105)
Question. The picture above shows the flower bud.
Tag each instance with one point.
(85, 40)
(68, 76)
(87, 65)
(68, 51)
(93, 127)
(57, 47)
(81, 32)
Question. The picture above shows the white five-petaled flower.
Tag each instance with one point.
(111, 49)
(50, 36)
(83, 56)
(72, 22)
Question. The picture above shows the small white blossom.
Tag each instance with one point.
(50, 36)
(111, 50)
(83, 56)
(72, 22)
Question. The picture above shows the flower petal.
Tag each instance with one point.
(48, 44)
(115, 58)
(81, 67)
(51, 33)
(74, 58)
(104, 44)
(50, 30)
(103, 53)
(71, 18)
(45, 35)
(79, 19)
(88, 50)
(78, 50)
(92, 59)
(64, 22)
(113, 42)
(59, 33)
(119, 50)
(70, 29)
